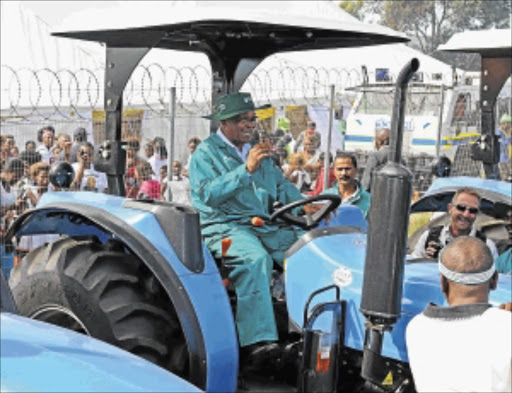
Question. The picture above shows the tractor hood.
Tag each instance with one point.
(39, 357)
(336, 255)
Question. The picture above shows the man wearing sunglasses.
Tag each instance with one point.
(231, 183)
(463, 211)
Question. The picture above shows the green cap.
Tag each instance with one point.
(233, 104)
(506, 119)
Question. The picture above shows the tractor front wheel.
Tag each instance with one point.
(104, 291)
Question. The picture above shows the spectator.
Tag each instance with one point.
(47, 139)
(463, 211)
(159, 158)
(180, 186)
(347, 186)
(149, 150)
(9, 144)
(4, 148)
(284, 138)
(39, 173)
(79, 136)
(377, 158)
(10, 202)
(296, 173)
(41, 131)
(465, 347)
(312, 157)
(176, 171)
(192, 145)
(29, 158)
(15, 152)
(86, 177)
(309, 132)
(319, 182)
(149, 188)
(504, 131)
(30, 146)
(66, 148)
(56, 154)
(132, 160)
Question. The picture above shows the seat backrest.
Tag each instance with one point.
(346, 215)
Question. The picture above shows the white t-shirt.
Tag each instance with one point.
(98, 178)
(461, 349)
(7, 198)
(156, 164)
(46, 154)
(180, 190)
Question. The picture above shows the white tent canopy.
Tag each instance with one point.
(26, 42)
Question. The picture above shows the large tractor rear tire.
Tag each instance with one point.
(103, 291)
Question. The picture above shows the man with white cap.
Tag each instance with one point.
(467, 346)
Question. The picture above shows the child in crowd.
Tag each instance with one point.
(149, 188)
(296, 173)
(39, 173)
(132, 160)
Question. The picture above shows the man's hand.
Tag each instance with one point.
(256, 155)
(506, 306)
(313, 208)
(432, 250)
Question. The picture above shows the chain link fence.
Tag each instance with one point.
(68, 99)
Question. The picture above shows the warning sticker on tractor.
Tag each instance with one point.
(342, 277)
(388, 381)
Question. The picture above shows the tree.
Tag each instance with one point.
(362, 9)
(433, 22)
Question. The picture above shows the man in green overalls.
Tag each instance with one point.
(232, 182)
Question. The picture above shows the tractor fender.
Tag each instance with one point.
(198, 297)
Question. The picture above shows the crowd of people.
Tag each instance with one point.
(25, 175)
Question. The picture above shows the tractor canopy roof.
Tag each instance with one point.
(495, 43)
(254, 29)
(496, 195)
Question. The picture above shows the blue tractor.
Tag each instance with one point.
(61, 360)
(136, 274)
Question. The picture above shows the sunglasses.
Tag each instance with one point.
(463, 208)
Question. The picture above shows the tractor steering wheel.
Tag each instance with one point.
(307, 221)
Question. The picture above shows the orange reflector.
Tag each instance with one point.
(323, 361)
(225, 283)
(257, 221)
(226, 243)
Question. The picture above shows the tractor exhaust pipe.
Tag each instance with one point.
(387, 241)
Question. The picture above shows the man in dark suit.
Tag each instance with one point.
(377, 158)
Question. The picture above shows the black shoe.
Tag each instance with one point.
(260, 354)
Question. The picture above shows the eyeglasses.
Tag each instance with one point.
(463, 208)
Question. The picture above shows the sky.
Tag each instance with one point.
(52, 12)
